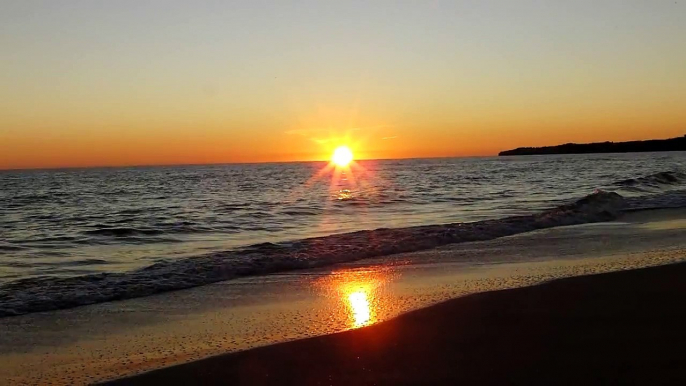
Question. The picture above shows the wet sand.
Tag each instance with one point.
(108, 341)
(622, 327)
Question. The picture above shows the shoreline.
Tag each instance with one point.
(620, 327)
(268, 258)
(108, 341)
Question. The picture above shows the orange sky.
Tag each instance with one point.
(133, 84)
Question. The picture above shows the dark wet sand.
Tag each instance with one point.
(626, 327)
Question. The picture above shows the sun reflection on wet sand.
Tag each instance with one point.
(358, 297)
(361, 311)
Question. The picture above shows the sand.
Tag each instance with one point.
(625, 327)
(118, 339)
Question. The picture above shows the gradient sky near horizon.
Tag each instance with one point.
(90, 83)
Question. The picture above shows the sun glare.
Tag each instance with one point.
(361, 310)
(342, 156)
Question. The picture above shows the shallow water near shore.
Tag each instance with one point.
(111, 340)
(70, 239)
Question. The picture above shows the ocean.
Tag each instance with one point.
(72, 237)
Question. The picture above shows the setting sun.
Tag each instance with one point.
(342, 156)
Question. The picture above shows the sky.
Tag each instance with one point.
(136, 82)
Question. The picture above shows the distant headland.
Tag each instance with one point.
(672, 144)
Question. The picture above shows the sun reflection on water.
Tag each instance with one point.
(344, 195)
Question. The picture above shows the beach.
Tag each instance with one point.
(321, 193)
(614, 328)
(253, 317)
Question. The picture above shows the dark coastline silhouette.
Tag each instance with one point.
(671, 144)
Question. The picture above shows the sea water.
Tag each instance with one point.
(79, 236)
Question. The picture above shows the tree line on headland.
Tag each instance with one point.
(671, 144)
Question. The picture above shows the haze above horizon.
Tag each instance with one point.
(97, 83)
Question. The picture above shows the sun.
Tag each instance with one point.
(342, 156)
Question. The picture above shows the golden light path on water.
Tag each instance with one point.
(341, 170)
(348, 181)
(357, 291)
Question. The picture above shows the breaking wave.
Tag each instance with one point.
(656, 181)
(49, 293)
(44, 293)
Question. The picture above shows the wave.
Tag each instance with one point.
(50, 293)
(666, 200)
(123, 232)
(158, 232)
(74, 263)
(10, 247)
(654, 181)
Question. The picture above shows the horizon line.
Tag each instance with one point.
(223, 163)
